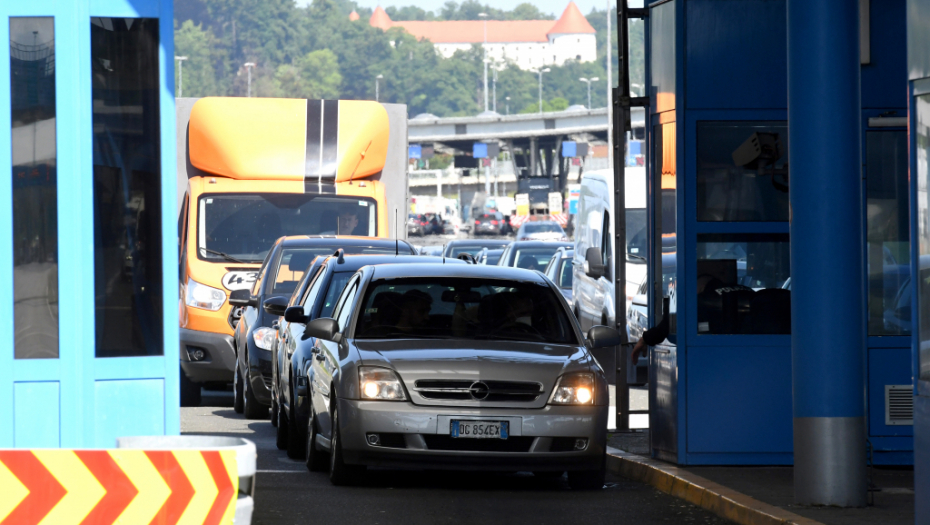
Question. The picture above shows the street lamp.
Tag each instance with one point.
(589, 80)
(180, 74)
(249, 66)
(541, 71)
(484, 16)
(508, 104)
(494, 89)
(377, 88)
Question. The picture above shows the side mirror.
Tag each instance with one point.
(295, 314)
(325, 328)
(593, 264)
(275, 305)
(602, 336)
(240, 298)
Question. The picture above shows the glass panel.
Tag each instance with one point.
(294, 263)
(242, 228)
(662, 33)
(887, 244)
(666, 243)
(534, 258)
(565, 274)
(923, 233)
(35, 188)
(742, 171)
(336, 284)
(636, 235)
(127, 187)
(743, 284)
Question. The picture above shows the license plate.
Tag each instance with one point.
(480, 429)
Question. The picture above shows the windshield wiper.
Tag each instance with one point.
(224, 255)
(640, 257)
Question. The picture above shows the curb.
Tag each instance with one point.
(722, 501)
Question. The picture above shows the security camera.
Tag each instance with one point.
(759, 150)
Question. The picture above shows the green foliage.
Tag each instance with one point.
(317, 52)
(598, 20)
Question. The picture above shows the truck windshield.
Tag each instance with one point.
(243, 227)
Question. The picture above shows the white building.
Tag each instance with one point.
(529, 44)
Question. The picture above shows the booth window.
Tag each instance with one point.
(743, 284)
(35, 187)
(887, 243)
(923, 234)
(127, 187)
(742, 171)
(666, 241)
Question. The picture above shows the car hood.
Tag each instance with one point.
(466, 361)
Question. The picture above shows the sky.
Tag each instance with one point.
(553, 7)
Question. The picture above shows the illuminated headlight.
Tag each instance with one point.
(263, 337)
(380, 383)
(203, 296)
(573, 389)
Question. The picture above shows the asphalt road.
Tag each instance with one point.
(286, 493)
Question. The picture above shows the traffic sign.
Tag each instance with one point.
(60, 486)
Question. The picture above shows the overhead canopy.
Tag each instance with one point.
(288, 139)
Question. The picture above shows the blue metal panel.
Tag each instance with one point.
(737, 53)
(828, 339)
(884, 78)
(887, 366)
(36, 419)
(134, 407)
(739, 400)
(922, 455)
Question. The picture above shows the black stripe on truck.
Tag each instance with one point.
(322, 146)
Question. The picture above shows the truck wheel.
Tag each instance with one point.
(190, 392)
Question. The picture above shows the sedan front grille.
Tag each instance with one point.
(465, 390)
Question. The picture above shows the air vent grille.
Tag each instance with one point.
(899, 404)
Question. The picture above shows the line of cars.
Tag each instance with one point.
(390, 359)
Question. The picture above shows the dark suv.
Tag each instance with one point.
(254, 337)
(294, 350)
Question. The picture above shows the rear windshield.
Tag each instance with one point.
(542, 228)
(463, 308)
(243, 227)
(534, 258)
(457, 249)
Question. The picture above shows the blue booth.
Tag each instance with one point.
(87, 220)
(747, 231)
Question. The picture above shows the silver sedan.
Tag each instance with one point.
(456, 367)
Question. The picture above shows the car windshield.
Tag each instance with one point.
(543, 227)
(243, 227)
(534, 258)
(493, 256)
(463, 308)
(565, 275)
(457, 249)
(636, 235)
(336, 284)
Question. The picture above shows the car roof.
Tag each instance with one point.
(541, 244)
(478, 242)
(352, 263)
(343, 240)
(477, 271)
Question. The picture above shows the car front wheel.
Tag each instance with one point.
(339, 472)
(237, 391)
(315, 458)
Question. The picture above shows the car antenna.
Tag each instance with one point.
(360, 159)
(396, 242)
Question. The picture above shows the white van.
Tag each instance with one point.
(593, 293)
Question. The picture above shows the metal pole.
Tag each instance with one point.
(620, 125)
(248, 67)
(828, 341)
(377, 90)
(485, 17)
(540, 90)
(439, 183)
(610, 86)
(180, 75)
(494, 90)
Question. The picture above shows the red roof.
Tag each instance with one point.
(572, 22)
(380, 19)
(353, 16)
(472, 31)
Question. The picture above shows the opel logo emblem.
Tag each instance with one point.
(479, 390)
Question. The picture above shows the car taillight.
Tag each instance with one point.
(494, 223)
(477, 222)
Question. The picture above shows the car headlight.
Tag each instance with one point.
(203, 296)
(379, 383)
(573, 389)
(263, 337)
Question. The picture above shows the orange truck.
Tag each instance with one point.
(251, 170)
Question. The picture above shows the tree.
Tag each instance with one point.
(199, 46)
(315, 75)
(526, 11)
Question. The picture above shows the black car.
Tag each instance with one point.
(255, 334)
(471, 246)
(530, 255)
(491, 223)
(294, 350)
